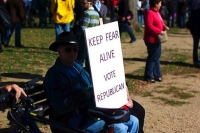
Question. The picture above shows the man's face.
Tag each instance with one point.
(68, 54)
(85, 4)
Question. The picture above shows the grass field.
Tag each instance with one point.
(35, 58)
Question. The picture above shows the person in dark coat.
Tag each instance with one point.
(193, 25)
(2, 32)
(101, 9)
(171, 7)
(181, 14)
(16, 9)
(123, 22)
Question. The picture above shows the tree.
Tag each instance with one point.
(133, 8)
(134, 21)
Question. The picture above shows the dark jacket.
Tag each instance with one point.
(123, 8)
(193, 5)
(193, 23)
(172, 6)
(182, 8)
(103, 12)
(16, 9)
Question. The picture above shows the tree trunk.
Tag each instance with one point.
(134, 22)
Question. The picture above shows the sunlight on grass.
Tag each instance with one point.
(147, 94)
(183, 95)
(171, 101)
(159, 86)
(176, 92)
(31, 58)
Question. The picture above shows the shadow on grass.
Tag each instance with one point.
(27, 76)
(11, 129)
(183, 64)
(131, 76)
(25, 47)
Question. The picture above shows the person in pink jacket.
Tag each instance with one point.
(154, 25)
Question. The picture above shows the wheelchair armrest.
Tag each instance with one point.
(110, 115)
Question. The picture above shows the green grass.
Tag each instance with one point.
(147, 94)
(171, 101)
(33, 57)
(176, 92)
(174, 61)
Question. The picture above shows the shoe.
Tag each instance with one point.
(150, 80)
(159, 79)
(132, 41)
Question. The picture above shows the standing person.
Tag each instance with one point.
(154, 25)
(141, 4)
(90, 18)
(123, 22)
(102, 10)
(181, 14)
(16, 9)
(69, 91)
(2, 31)
(194, 26)
(49, 14)
(28, 8)
(171, 7)
(192, 5)
(63, 14)
(43, 9)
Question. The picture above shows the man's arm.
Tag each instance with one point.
(85, 21)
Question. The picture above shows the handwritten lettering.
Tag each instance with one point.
(112, 35)
(110, 75)
(110, 92)
(107, 55)
(95, 40)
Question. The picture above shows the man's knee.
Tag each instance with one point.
(134, 120)
(120, 128)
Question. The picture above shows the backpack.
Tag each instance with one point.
(5, 20)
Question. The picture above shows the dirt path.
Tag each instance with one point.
(160, 117)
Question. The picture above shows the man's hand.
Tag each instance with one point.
(16, 88)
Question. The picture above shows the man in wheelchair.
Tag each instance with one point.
(69, 91)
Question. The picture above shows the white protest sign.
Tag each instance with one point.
(106, 63)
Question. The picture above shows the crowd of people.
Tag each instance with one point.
(64, 82)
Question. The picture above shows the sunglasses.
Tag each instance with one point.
(69, 49)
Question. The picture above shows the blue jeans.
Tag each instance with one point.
(195, 48)
(141, 19)
(60, 27)
(152, 67)
(170, 18)
(130, 126)
(182, 18)
(123, 26)
(17, 27)
(96, 127)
